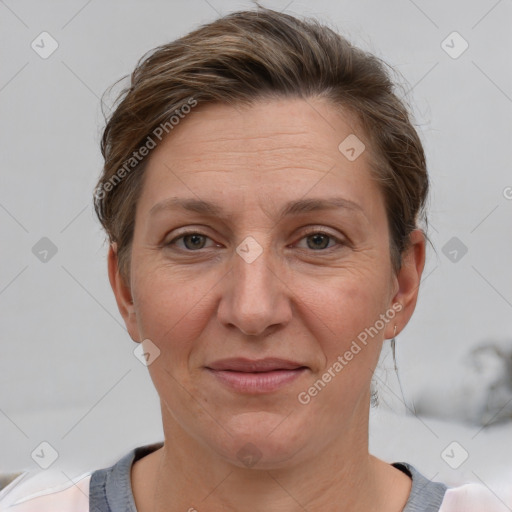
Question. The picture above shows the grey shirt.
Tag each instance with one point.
(110, 488)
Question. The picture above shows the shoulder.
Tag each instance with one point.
(477, 498)
(107, 489)
(45, 493)
(429, 496)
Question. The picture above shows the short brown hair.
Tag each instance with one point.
(238, 59)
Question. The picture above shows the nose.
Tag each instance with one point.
(256, 299)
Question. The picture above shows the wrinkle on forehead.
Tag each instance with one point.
(293, 115)
(276, 152)
(283, 146)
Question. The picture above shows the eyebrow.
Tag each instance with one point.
(291, 208)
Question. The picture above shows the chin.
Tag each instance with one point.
(263, 441)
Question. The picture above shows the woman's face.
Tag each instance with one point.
(257, 237)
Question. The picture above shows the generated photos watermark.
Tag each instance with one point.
(305, 397)
(150, 143)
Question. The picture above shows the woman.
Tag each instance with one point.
(262, 193)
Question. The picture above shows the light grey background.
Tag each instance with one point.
(67, 371)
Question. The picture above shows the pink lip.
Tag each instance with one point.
(257, 382)
(256, 376)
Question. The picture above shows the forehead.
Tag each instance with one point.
(311, 126)
(273, 150)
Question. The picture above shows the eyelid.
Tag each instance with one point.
(311, 230)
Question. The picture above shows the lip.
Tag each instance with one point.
(242, 364)
(256, 376)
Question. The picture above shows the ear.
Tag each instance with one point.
(122, 294)
(407, 282)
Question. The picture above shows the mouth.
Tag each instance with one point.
(256, 376)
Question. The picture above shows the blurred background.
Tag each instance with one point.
(73, 397)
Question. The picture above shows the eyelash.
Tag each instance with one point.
(340, 243)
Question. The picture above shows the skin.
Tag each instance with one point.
(295, 301)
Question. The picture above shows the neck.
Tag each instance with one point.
(184, 475)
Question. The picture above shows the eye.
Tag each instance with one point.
(315, 240)
(191, 241)
(319, 241)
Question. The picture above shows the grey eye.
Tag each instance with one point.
(194, 241)
(318, 241)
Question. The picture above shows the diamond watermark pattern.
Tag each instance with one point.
(44, 250)
(44, 45)
(351, 147)
(249, 455)
(454, 455)
(454, 45)
(249, 249)
(146, 352)
(454, 249)
(44, 455)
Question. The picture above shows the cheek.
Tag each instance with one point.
(341, 319)
(171, 310)
(346, 305)
(171, 313)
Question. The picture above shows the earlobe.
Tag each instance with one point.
(122, 292)
(409, 279)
